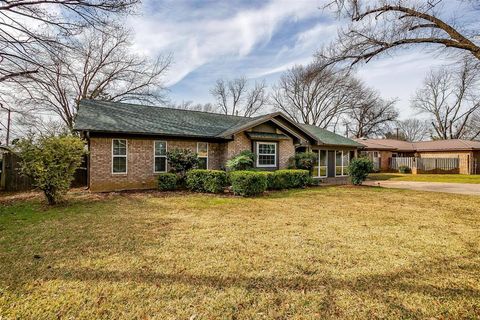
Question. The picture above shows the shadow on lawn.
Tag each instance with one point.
(382, 288)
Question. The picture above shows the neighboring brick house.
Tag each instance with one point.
(128, 143)
(381, 151)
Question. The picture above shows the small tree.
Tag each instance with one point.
(51, 163)
(243, 161)
(359, 169)
(180, 161)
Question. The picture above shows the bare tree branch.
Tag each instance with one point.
(234, 97)
(379, 26)
(28, 27)
(98, 65)
(451, 98)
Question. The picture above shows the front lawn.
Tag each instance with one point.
(331, 252)
(454, 178)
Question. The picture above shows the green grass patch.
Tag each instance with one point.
(327, 252)
(453, 178)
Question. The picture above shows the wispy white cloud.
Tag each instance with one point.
(195, 40)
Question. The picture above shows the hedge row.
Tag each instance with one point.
(167, 181)
(212, 181)
(244, 183)
(250, 183)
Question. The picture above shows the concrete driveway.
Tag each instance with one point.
(459, 188)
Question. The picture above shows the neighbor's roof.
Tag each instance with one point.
(441, 145)
(330, 138)
(436, 145)
(103, 116)
(387, 144)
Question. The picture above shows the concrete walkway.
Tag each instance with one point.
(459, 188)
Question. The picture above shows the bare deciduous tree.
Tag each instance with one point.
(30, 27)
(97, 65)
(451, 98)
(371, 115)
(190, 105)
(235, 97)
(414, 129)
(380, 26)
(314, 95)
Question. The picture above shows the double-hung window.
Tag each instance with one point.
(160, 154)
(119, 156)
(266, 154)
(342, 160)
(202, 152)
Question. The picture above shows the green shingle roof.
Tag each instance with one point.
(105, 116)
(330, 138)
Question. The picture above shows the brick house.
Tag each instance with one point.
(381, 151)
(128, 143)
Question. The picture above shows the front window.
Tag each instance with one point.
(342, 160)
(160, 154)
(202, 152)
(320, 167)
(119, 156)
(266, 154)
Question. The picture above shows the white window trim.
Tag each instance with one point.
(121, 156)
(266, 154)
(155, 156)
(207, 151)
(343, 166)
(326, 164)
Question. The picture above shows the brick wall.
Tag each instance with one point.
(140, 159)
(239, 143)
(140, 173)
(286, 151)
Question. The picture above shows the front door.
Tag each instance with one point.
(331, 163)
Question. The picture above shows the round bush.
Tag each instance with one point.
(248, 183)
(359, 169)
(404, 169)
(167, 181)
(212, 181)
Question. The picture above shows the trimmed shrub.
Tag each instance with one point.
(212, 181)
(167, 181)
(181, 160)
(404, 169)
(288, 179)
(359, 169)
(248, 183)
(243, 161)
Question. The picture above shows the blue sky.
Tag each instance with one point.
(259, 40)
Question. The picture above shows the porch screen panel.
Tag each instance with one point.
(338, 163)
(323, 163)
(316, 165)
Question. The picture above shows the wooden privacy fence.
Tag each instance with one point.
(13, 180)
(397, 162)
(427, 165)
(438, 165)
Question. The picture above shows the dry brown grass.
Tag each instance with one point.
(335, 252)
